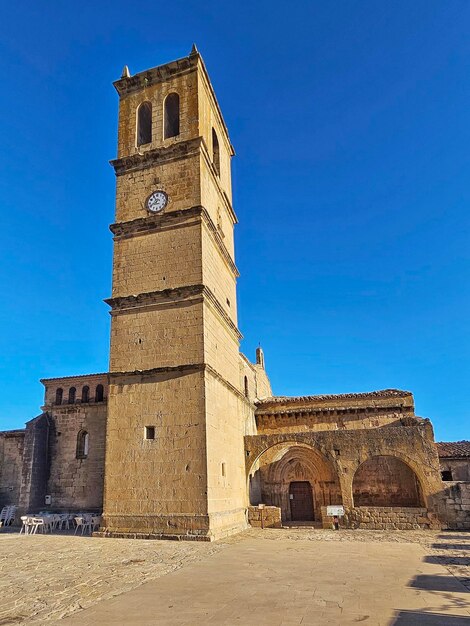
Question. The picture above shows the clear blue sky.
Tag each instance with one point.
(350, 120)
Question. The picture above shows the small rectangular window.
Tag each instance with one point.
(446, 475)
(223, 469)
(150, 432)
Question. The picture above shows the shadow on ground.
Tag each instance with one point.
(416, 618)
(447, 589)
(448, 584)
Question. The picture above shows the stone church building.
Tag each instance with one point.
(183, 436)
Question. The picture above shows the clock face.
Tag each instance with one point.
(156, 201)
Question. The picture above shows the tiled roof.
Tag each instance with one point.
(383, 393)
(45, 380)
(18, 432)
(453, 448)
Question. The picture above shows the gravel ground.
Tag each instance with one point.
(46, 577)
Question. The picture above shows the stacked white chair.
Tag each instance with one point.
(7, 515)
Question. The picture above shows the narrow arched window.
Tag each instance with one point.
(82, 444)
(86, 394)
(215, 152)
(99, 394)
(171, 116)
(72, 394)
(246, 386)
(59, 395)
(144, 123)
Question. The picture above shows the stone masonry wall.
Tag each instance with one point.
(460, 468)
(267, 517)
(11, 461)
(76, 484)
(455, 505)
(36, 464)
(385, 518)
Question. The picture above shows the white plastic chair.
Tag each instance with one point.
(78, 524)
(63, 521)
(37, 522)
(26, 523)
(86, 526)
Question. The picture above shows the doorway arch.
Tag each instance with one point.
(283, 465)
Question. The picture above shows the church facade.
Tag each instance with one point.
(182, 437)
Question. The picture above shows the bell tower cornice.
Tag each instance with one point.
(128, 84)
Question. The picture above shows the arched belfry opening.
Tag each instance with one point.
(171, 116)
(144, 124)
(59, 394)
(86, 394)
(99, 393)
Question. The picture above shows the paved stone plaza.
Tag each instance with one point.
(296, 576)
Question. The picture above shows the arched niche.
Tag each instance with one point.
(386, 481)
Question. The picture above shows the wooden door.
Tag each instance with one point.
(301, 501)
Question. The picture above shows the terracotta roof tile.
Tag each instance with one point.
(383, 393)
(453, 448)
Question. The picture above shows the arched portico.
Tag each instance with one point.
(329, 461)
(295, 477)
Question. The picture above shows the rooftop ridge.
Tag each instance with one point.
(382, 393)
(46, 380)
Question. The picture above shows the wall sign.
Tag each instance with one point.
(335, 511)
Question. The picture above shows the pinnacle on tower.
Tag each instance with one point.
(125, 72)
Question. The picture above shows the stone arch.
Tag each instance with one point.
(279, 466)
(386, 480)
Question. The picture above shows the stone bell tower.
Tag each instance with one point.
(174, 448)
